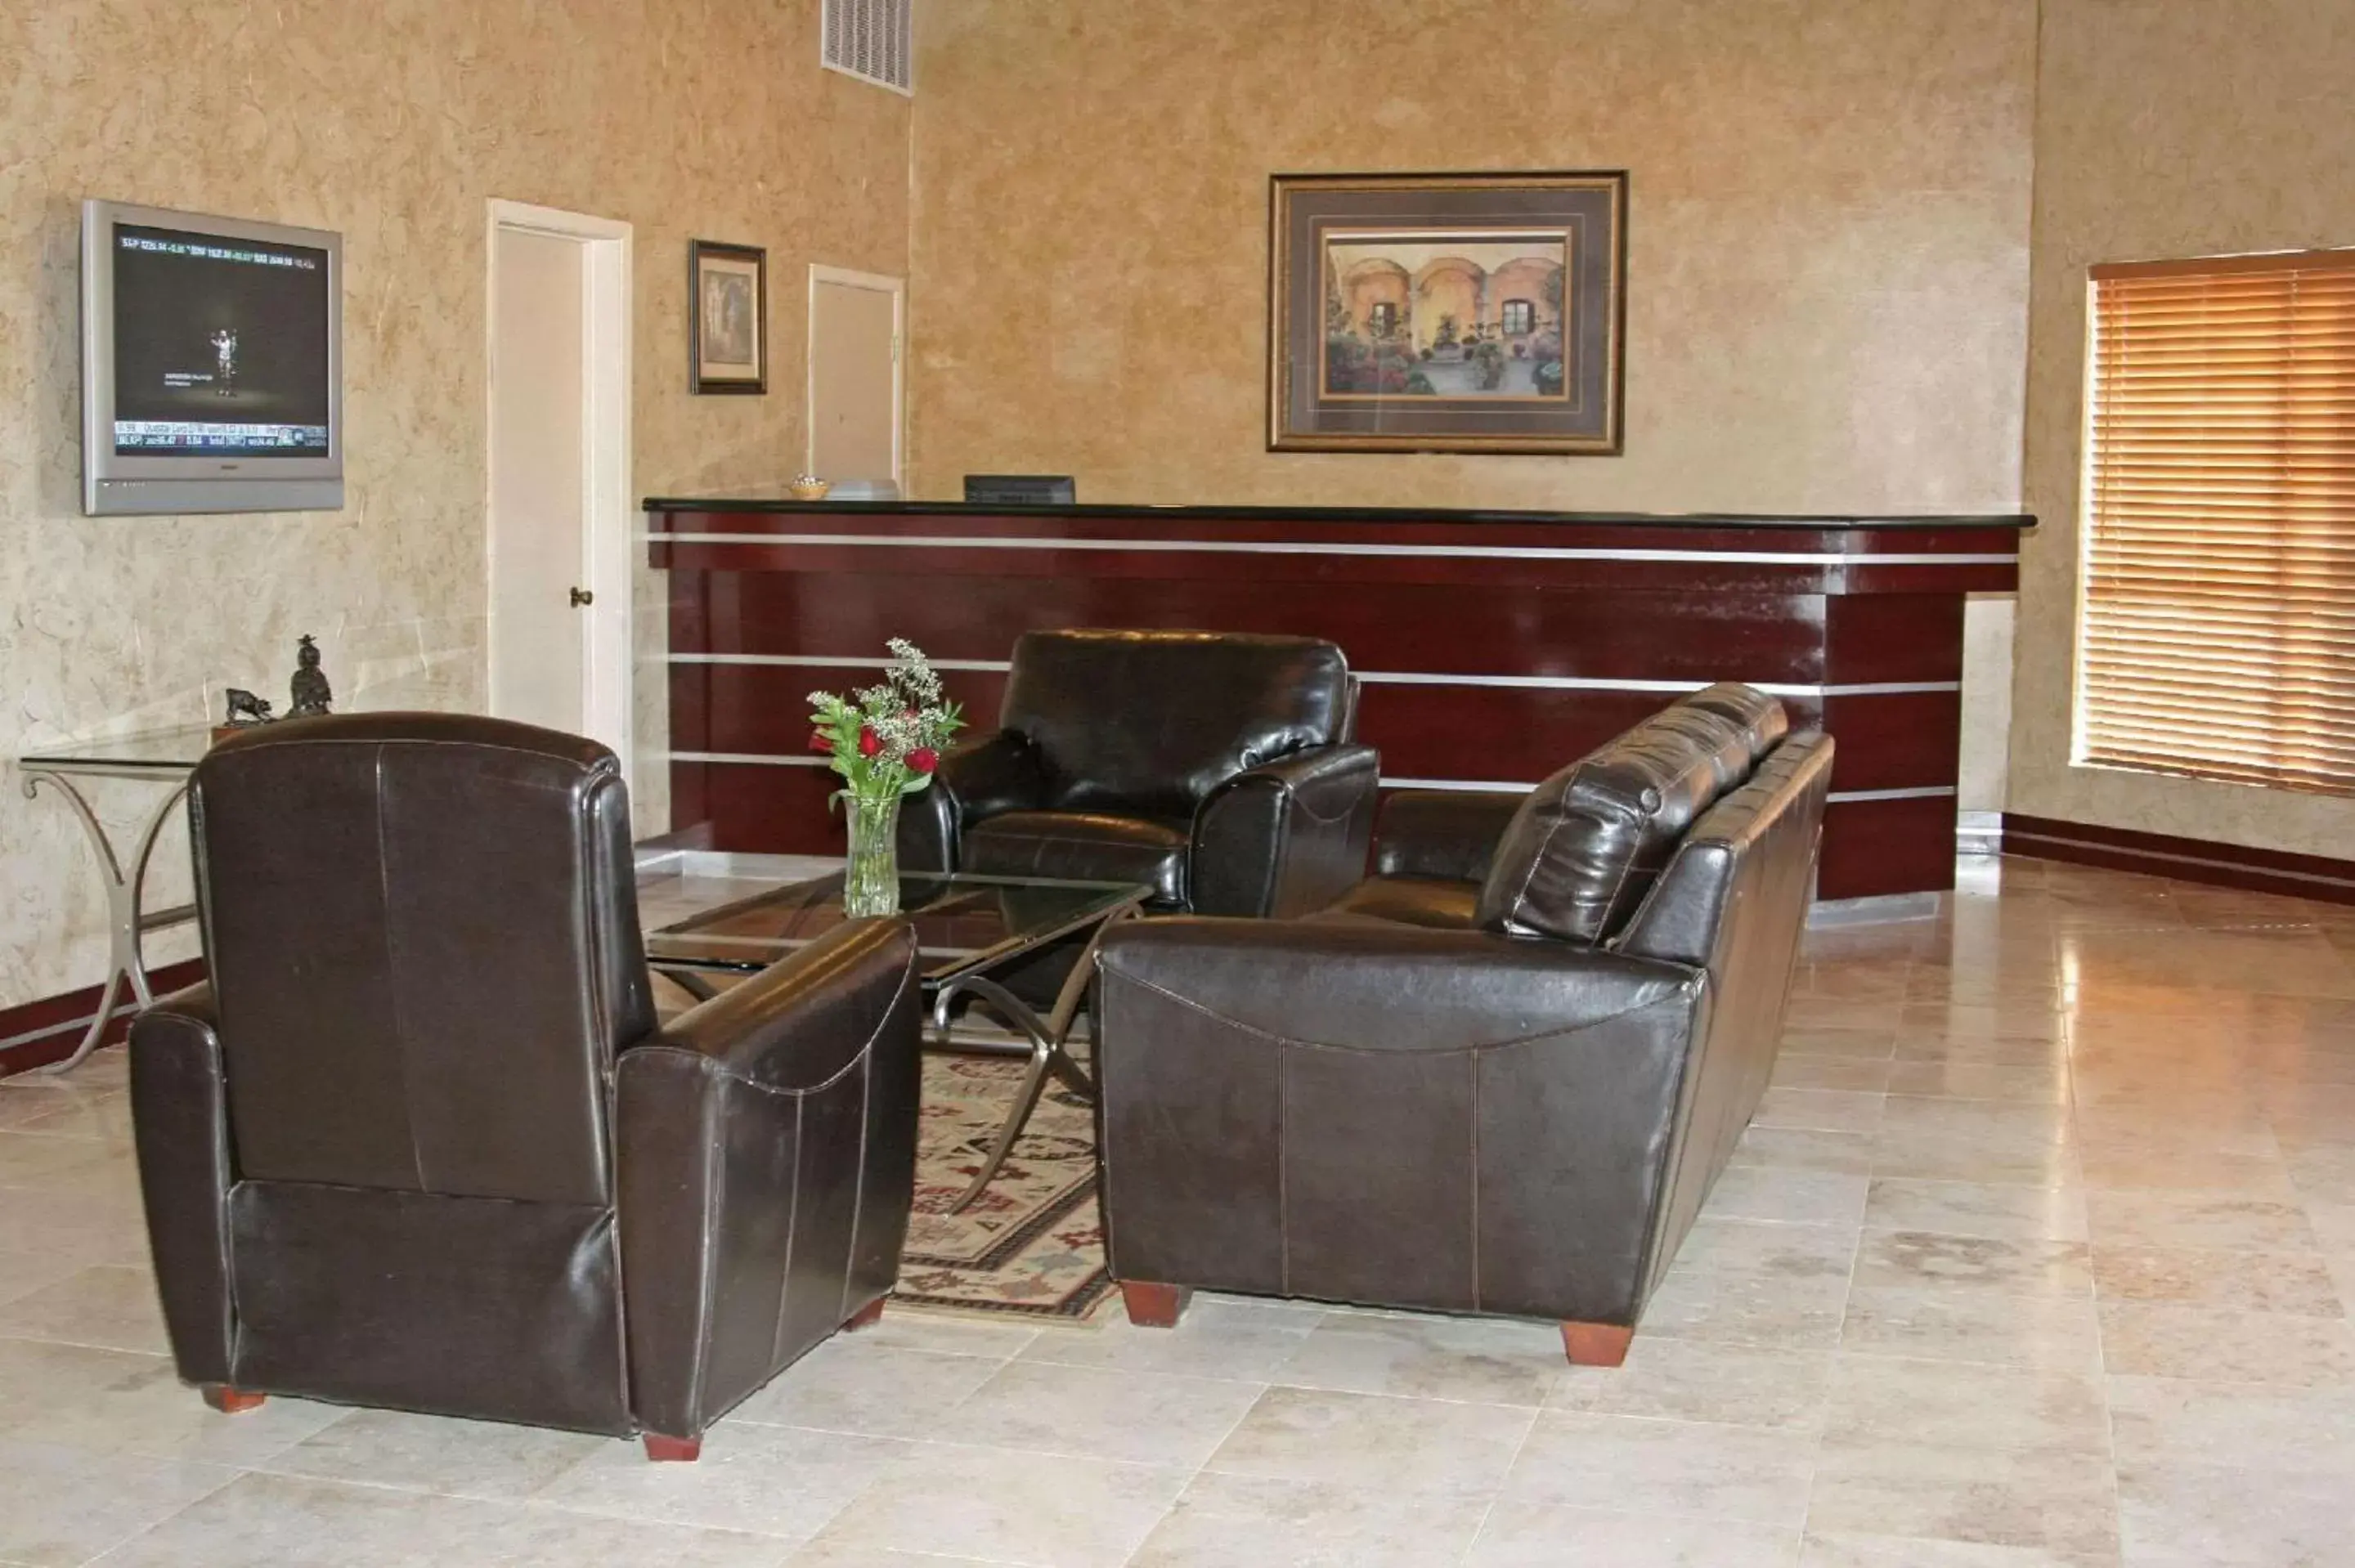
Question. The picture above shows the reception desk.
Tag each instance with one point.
(1493, 646)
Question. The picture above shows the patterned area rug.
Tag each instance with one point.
(1032, 1244)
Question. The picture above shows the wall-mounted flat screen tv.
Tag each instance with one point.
(211, 363)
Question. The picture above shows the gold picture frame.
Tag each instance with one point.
(1462, 312)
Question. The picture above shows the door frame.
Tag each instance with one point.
(883, 284)
(608, 517)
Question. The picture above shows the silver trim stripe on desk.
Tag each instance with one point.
(1516, 787)
(1383, 677)
(1291, 548)
(1501, 786)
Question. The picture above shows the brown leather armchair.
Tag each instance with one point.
(1215, 766)
(420, 1142)
(1499, 1077)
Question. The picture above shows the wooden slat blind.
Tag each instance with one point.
(2217, 636)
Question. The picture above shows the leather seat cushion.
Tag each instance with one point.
(1082, 846)
(1587, 843)
(1439, 903)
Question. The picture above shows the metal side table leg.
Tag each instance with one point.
(127, 925)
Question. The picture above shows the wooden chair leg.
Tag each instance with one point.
(1154, 1306)
(663, 1450)
(866, 1317)
(1595, 1344)
(230, 1401)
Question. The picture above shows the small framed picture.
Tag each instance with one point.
(728, 334)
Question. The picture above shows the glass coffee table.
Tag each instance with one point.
(969, 929)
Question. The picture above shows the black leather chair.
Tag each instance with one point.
(1215, 766)
(419, 1142)
(1499, 1077)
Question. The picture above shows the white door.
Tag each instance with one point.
(539, 421)
(562, 510)
(854, 377)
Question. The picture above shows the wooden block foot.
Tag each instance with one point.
(665, 1450)
(866, 1317)
(1595, 1344)
(230, 1401)
(1154, 1306)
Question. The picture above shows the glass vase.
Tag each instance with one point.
(870, 879)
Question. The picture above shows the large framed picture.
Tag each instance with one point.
(1446, 313)
(728, 337)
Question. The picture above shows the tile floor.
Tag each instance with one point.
(2039, 1257)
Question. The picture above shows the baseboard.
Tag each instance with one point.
(36, 1034)
(1978, 832)
(662, 854)
(2186, 860)
(1875, 910)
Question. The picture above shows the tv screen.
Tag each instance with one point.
(221, 346)
(210, 364)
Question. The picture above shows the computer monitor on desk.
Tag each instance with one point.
(1020, 490)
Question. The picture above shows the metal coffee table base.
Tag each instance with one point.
(1049, 1048)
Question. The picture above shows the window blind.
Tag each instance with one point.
(2217, 621)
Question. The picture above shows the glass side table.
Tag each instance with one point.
(161, 757)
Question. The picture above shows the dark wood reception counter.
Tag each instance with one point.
(1493, 646)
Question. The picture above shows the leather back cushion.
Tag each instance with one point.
(422, 934)
(1150, 721)
(1584, 847)
(1762, 722)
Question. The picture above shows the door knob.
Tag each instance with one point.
(580, 596)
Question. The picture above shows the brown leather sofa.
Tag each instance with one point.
(1499, 1077)
(419, 1142)
(1215, 766)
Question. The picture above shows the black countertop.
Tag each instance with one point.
(1312, 514)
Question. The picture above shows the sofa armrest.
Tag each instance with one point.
(1288, 836)
(765, 1156)
(1446, 834)
(1354, 1111)
(976, 781)
(179, 1117)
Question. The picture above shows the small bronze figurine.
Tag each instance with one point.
(310, 691)
(245, 710)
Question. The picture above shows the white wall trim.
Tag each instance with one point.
(609, 502)
(882, 283)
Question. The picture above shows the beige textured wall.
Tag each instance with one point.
(392, 123)
(2165, 127)
(1828, 241)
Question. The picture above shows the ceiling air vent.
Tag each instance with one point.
(868, 39)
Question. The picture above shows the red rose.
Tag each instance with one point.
(923, 759)
(869, 743)
(821, 742)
